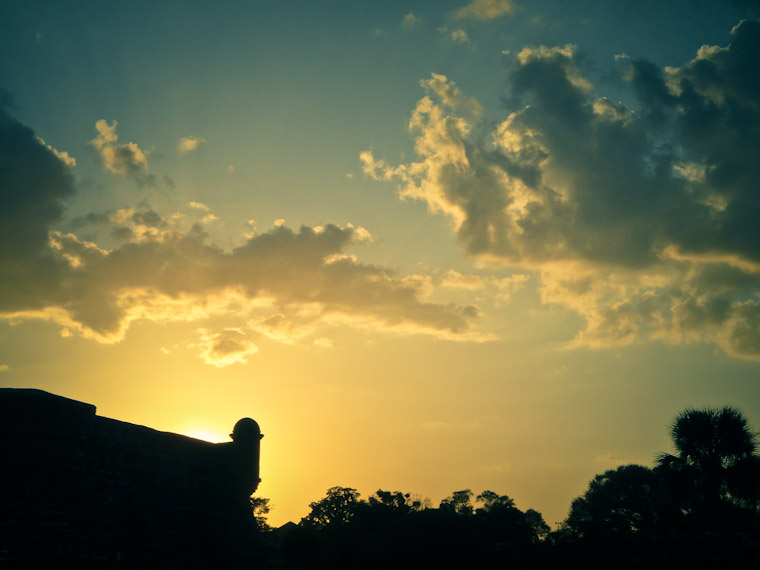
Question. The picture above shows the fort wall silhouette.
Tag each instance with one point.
(87, 491)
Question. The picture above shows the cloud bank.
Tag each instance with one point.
(280, 284)
(644, 221)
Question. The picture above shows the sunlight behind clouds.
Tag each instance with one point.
(584, 192)
(544, 250)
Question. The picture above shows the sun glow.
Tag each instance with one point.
(205, 433)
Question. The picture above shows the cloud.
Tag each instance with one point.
(189, 144)
(287, 329)
(63, 156)
(502, 288)
(4, 367)
(34, 182)
(152, 181)
(456, 280)
(485, 9)
(509, 285)
(163, 274)
(458, 36)
(643, 222)
(409, 21)
(117, 158)
(282, 282)
(225, 348)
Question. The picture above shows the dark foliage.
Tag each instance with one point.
(698, 508)
(394, 530)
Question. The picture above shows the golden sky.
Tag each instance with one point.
(428, 246)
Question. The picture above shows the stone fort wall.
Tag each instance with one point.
(89, 491)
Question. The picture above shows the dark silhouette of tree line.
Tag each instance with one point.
(392, 529)
(697, 508)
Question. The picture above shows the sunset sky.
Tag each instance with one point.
(427, 245)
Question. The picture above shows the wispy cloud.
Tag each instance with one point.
(409, 21)
(485, 9)
(458, 36)
(504, 287)
(225, 348)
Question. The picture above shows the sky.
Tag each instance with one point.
(427, 245)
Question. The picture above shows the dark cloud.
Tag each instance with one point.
(148, 218)
(33, 184)
(642, 220)
(152, 181)
(749, 5)
(89, 219)
(164, 272)
(167, 274)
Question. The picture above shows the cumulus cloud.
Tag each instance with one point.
(409, 21)
(485, 9)
(282, 284)
(189, 144)
(34, 182)
(644, 221)
(458, 36)
(125, 158)
(63, 156)
(163, 274)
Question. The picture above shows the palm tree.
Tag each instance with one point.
(715, 460)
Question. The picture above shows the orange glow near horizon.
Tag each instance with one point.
(397, 255)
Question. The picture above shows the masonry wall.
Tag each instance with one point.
(89, 491)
